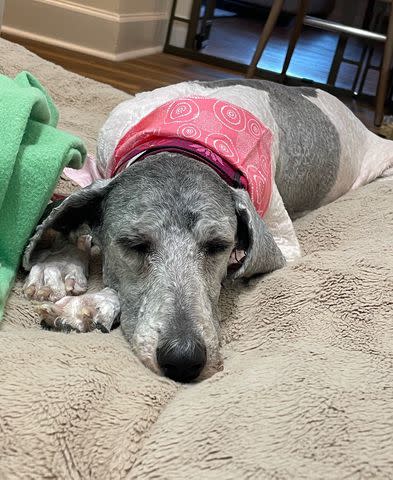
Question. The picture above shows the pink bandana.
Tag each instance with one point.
(209, 125)
(229, 138)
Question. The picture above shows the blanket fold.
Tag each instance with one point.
(33, 154)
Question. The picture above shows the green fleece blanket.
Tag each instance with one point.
(33, 152)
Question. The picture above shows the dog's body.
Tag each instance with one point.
(167, 226)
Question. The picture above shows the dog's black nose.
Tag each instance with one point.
(182, 361)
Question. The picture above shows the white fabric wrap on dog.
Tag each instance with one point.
(130, 112)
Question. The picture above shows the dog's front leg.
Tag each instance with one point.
(85, 313)
(60, 270)
(58, 278)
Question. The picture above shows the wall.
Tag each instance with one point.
(112, 29)
(1, 12)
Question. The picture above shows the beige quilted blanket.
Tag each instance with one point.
(307, 389)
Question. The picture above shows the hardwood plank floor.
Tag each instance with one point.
(132, 76)
(150, 72)
(235, 39)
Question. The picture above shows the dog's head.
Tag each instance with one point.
(167, 227)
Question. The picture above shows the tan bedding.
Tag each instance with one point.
(307, 389)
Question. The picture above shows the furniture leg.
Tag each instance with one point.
(303, 4)
(384, 73)
(265, 35)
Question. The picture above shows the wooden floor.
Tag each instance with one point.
(234, 35)
(150, 72)
(131, 76)
(235, 39)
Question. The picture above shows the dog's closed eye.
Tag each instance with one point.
(215, 246)
(137, 244)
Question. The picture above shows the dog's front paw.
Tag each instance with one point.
(83, 314)
(54, 280)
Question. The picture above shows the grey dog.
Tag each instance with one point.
(169, 225)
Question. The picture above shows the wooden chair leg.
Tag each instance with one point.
(384, 73)
(265, 35)
(303, 4)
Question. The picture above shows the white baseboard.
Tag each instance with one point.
(105, 14)
(115, 57)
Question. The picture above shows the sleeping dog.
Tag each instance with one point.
(194, 184)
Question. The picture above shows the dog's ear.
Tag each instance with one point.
(81, 207)
(254, 238)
